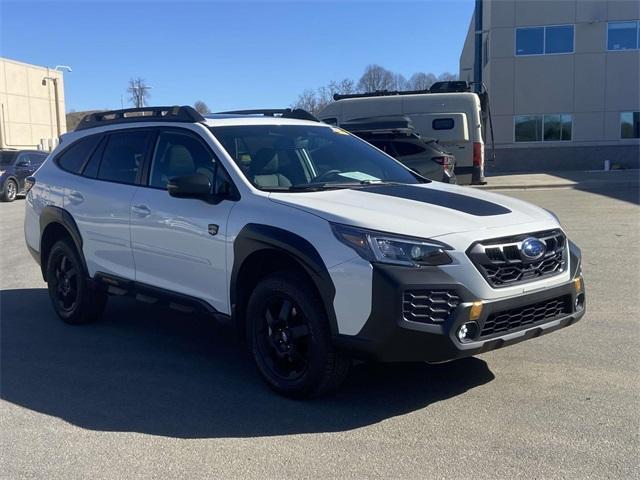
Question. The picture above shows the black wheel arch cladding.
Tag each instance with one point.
(52, 215)
(258, 237)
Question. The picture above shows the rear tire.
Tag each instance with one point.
(290, 338)
(10, 191)
(71, 295)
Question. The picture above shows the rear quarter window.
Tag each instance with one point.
(443, 124)
(73, 158)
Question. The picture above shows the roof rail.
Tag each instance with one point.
(174, 113)
(297, 113)
(438, 87)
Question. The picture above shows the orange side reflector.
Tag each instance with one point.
(476, 310)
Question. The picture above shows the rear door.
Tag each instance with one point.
(179, 244)
(99, 196)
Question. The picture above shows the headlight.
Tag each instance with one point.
(384, 248)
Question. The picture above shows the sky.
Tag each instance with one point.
(230, 54)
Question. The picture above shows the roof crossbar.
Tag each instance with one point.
(174, 113)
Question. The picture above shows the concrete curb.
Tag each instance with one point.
(525, 186)
(578, 180)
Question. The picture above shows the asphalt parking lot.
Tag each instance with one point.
(149, 393)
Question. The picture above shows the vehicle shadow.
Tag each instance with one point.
(148, 370)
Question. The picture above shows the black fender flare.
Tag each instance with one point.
(255, 237)
(56, 215)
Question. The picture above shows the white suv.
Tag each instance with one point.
(317, 246)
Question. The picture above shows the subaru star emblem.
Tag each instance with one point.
(533, 249)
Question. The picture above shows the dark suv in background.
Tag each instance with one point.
(396, 136)
(15, 167)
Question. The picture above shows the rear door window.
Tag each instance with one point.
(123, 156)
(74, 157)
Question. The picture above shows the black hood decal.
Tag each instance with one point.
(455, 201)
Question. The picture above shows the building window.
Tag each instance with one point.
(623, 35)
(528, 128)
(630, 125)
(544, 40)
(556, 127)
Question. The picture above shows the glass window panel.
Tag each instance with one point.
(622, 36)
(630, 125)
(528, 128)
(530, 41)
(559, 39)
(552, 128)
(123, 156)
(567, 127)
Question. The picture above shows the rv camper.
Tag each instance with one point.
(454, 119)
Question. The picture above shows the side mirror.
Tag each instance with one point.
(196, 185)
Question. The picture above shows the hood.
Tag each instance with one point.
(426, 210)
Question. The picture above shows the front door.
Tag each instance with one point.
(179, 244)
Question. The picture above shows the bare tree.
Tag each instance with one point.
(201, 107)
(376, 78)
(447, 77)
(400, 82)
(314, 101)
(421, 81)
(138, 91)
(307, 100)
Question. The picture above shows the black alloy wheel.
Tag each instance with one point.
(65, 283)
(73, 298)
(284, 338)
(290, 337)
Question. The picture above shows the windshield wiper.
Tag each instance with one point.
(320, 186)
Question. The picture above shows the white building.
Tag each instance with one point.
(32, 112)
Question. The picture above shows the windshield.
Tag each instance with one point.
(301, 157)
(7, 158)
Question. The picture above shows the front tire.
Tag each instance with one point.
(290, 338)
(10, 191)
(72, 297)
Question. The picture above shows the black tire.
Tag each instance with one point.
(290, 338)
(72, 297)
(10, 191)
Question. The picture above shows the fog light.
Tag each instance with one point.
(467, 331)
(579, 302)
(476, 310)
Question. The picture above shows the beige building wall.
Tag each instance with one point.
(592, 84)
(29, 116)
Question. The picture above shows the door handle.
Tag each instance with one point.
(76, 197)
(141, 210)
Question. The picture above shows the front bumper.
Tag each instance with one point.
(387, 336)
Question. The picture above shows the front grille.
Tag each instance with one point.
(502, 263)
(429, 306)
(521, 317)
